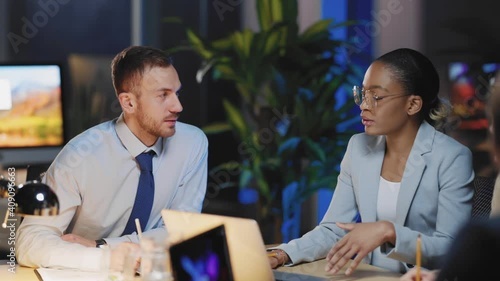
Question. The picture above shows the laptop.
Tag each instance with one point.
(245, 246)
(202, 257)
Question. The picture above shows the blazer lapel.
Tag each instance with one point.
(414, 168)
(369, 179)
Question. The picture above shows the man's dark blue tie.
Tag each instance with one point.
(145, 193)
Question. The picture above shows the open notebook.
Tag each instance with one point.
(53, 274)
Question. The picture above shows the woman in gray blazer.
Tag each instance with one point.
(402, 177)
(469, 257)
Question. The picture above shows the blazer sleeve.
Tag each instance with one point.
(495, 200)
(343, 208)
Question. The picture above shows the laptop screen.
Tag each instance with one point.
(202, 257)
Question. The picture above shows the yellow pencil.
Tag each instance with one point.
(419, 257)
(272, 254)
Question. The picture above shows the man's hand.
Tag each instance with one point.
(361, 240)
(73, 238)
(119, 256)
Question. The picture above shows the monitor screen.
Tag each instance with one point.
(470, 83)
(31, 110)
(203, 257)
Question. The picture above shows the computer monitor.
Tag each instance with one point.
(470, 90)
(31, 113)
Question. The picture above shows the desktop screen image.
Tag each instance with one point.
(31, 110)
(202, 257)
(470, 83)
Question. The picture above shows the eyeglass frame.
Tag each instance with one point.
(359, 96)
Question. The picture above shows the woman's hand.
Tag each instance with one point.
(361, 240)
(277, 258)
(425, 275)
(274, 262)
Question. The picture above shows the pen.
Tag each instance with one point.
(419, 245)
(139, 230)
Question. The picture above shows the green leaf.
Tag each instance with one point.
(228, 166)
(268, 67)
(172, 20)
(245, 178)
(194, 39)
(236, 119)
(216, 128)
(264, 188)
(245, 92)
(222, 44)
(313, 30)
(248, 36)
(271, 42)
(345, 23)
(315, 149)
(261, 182)
(263, 14)
(198, 45)
(178, 49)
(239, 44)
(227, 72)
(276, 11)
(289, 144)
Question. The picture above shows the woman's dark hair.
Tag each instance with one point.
(129, 65)
(418, 76)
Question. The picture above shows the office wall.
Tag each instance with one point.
(3, 30)
(309, 12)
(400, 24)
(50, 30)
(467, 33)
(54, 30)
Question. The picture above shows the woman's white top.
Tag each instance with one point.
(386, 210)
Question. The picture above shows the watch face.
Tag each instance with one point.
(101, 243)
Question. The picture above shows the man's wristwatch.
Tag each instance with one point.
(101, 243)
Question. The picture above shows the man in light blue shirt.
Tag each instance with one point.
(96, 175)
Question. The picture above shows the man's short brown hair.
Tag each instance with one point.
(129, 65)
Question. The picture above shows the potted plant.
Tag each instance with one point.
(288, 118)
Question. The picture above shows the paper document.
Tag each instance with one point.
(51, 274)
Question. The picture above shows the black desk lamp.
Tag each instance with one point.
(33, 198)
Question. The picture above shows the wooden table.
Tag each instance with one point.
(24, 274)
(21, 273)
(364, 272)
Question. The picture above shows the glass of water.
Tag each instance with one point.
(155, 260)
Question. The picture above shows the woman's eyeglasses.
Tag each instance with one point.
(370, 97)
